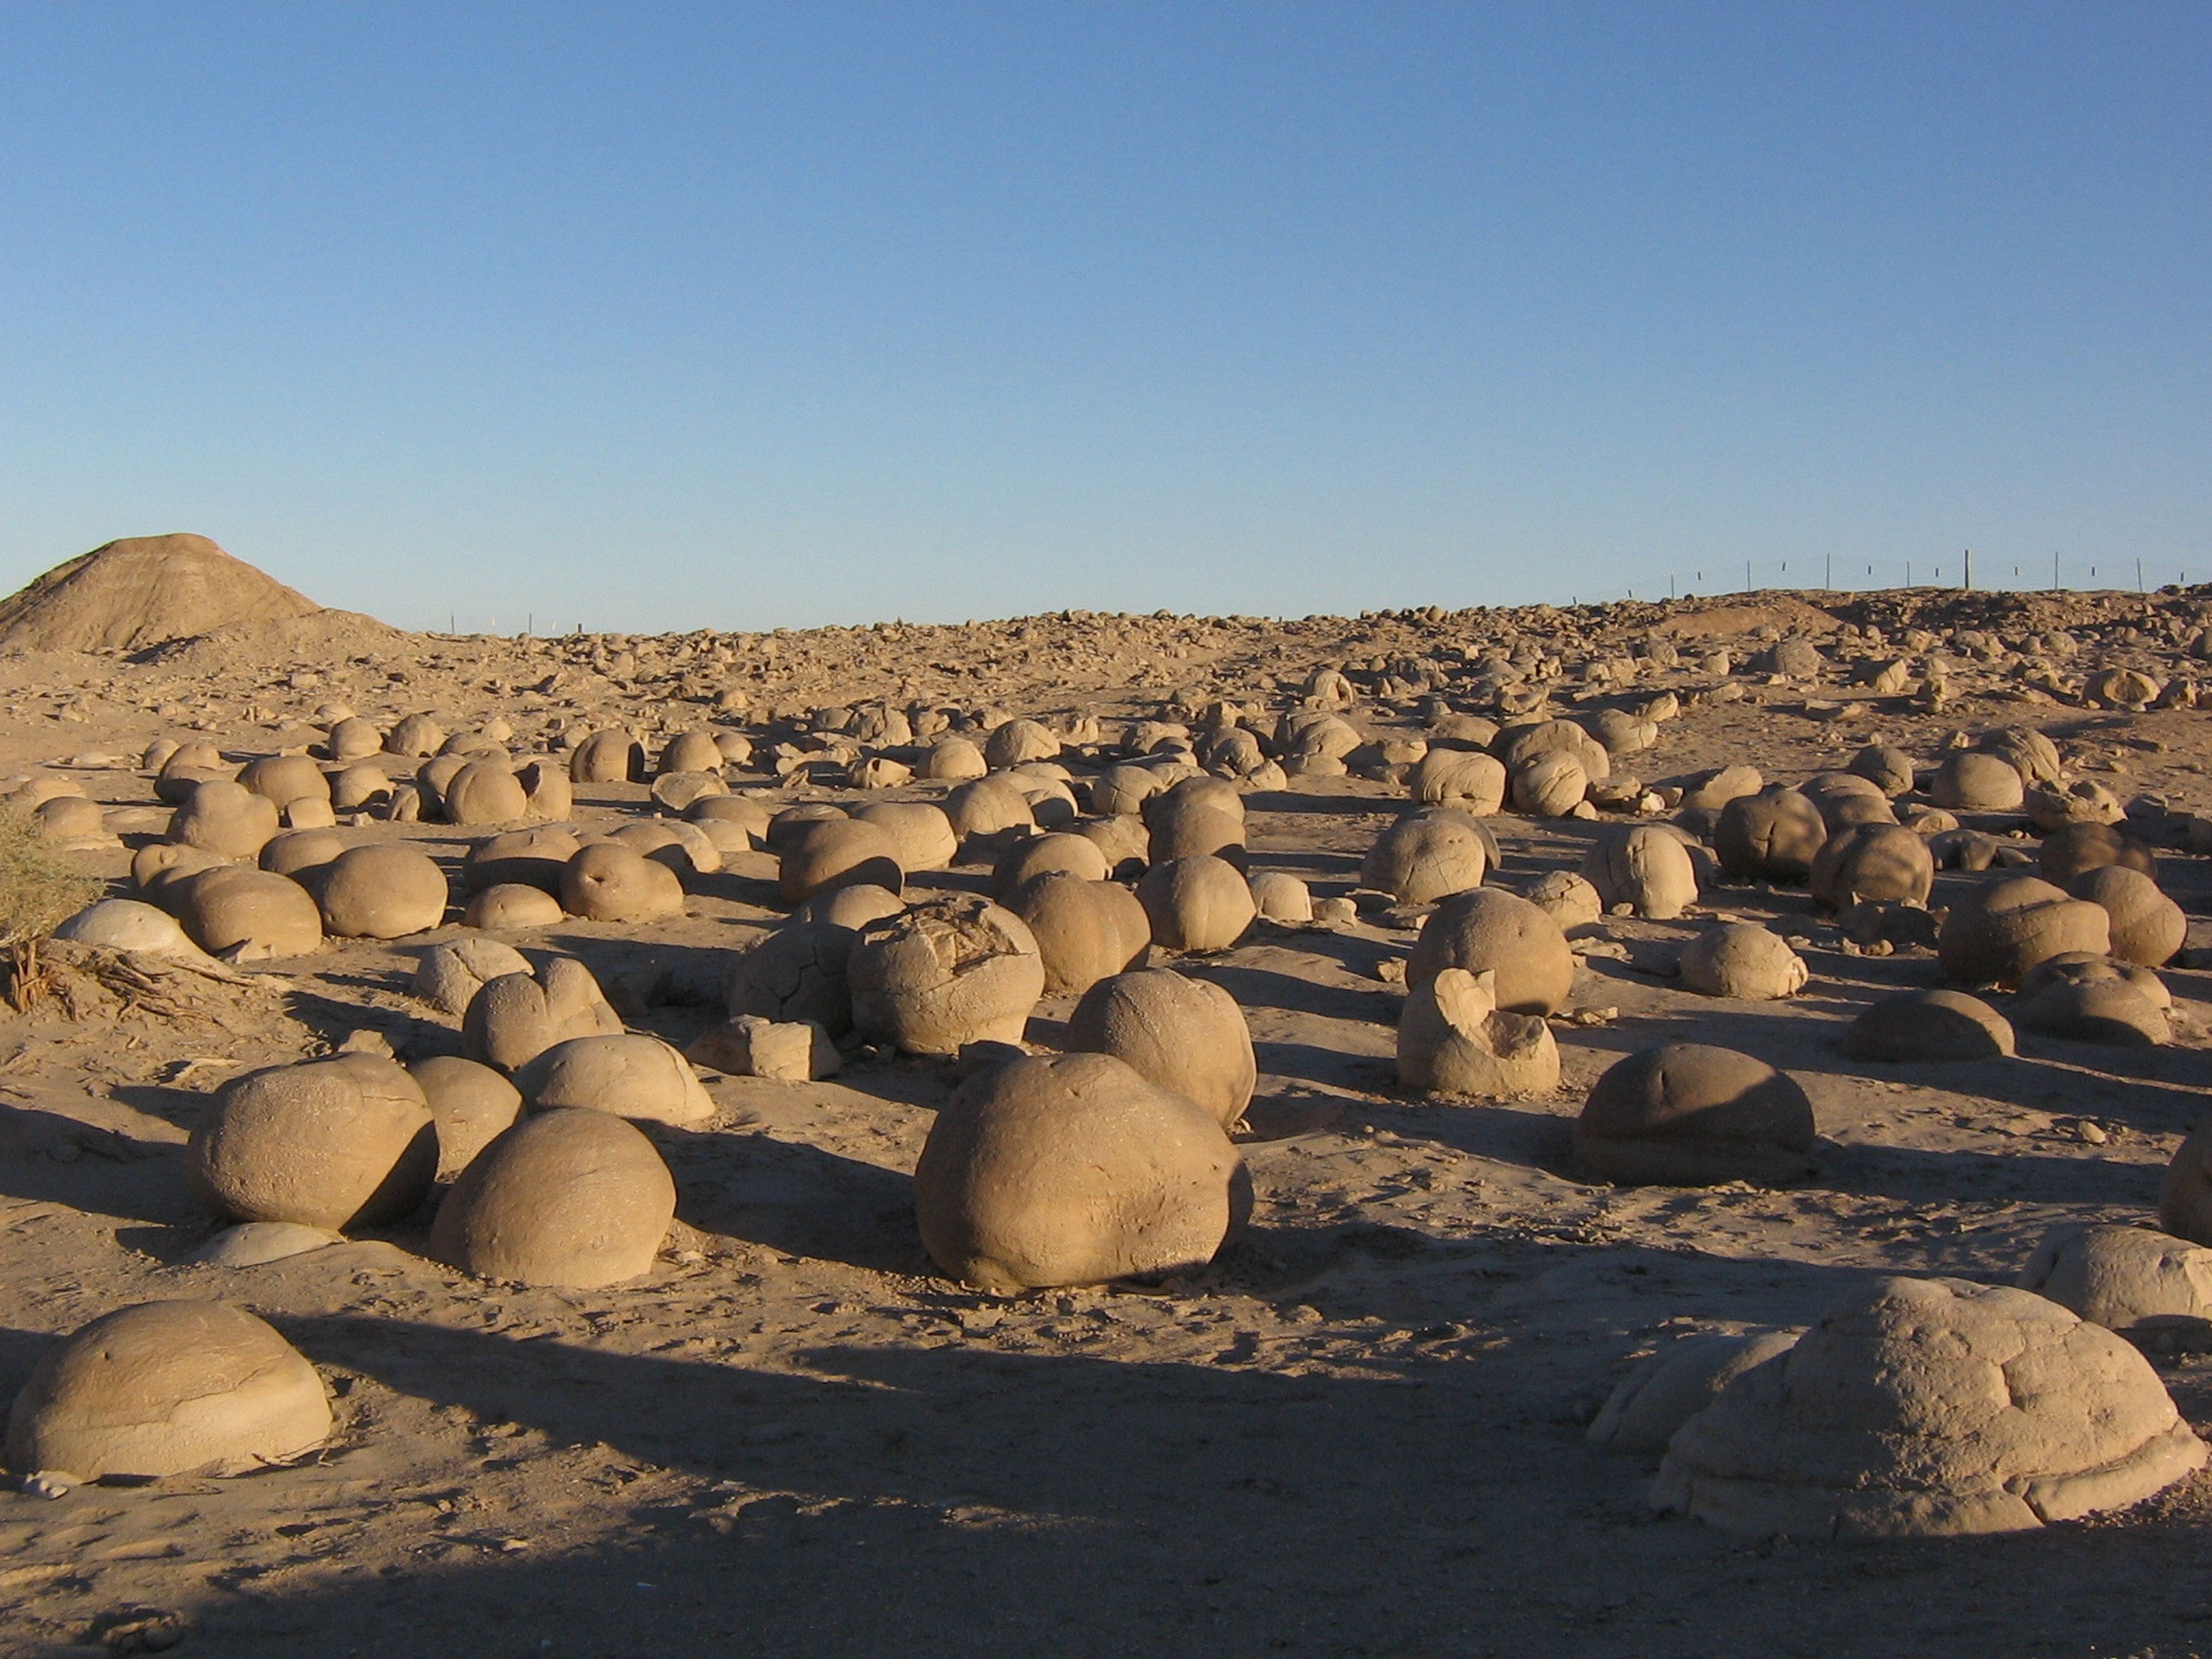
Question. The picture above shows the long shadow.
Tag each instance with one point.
(951, 1501)
(1264, 988)
(51, 1157)
(795, 1199)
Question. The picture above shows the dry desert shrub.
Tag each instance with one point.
(39, 890)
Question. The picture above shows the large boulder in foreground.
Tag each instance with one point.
(140, 592)
(169, 1388)
(1917, 1408)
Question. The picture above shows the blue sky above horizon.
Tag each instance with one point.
(677, 316)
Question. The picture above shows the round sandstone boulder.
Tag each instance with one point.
(168, 1388)
(1073, 1170)
(1922, 1407)
(1687, 1115)
(571, 1197)
(948, 972)
(1185, 1034)
(326, 1143)
(385, 891)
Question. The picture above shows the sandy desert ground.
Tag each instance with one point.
(1360, 1432)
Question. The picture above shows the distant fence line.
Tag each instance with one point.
(1820, 572)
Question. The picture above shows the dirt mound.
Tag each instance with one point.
(1781, 611)
(261, 643)
(140, 592)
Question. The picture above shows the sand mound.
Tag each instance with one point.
(141, 592)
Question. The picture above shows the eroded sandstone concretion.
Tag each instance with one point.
(570, 1196)
(1742, 960)
(1929, 1025)
(1924, 1408)
(167, 1388)
(1185, 1034)
(1453, 1039)
(326, 1143)
(1489, 929)
(518, 1017)
(1689, 1115)
(2125, 1278)
(1674, 1384)
(628, 1073)
(2001, 930)
(949, 971)
(1073, 1170)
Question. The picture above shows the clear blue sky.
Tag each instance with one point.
(664, 316)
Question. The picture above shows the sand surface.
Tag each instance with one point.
(1360, 1432)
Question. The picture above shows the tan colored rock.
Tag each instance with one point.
(1085, 930)
(609, 882)
(1194, 830)
(1453, 1039)
(327, 1142)
(484, 792)
(2001, 930)
(1018, 742)
(944, 973)
(796, 1051)
(837, 853)
(571, 1197)
(751, 818)
(385, 891)
(1549, 785)
(1971, 781)
(1644, 867)
(518, 1017)
(1473, 782)
(952, 760)
(1426, 855)
(1927, 1407)
(685, 848)
(297, 852)
(415, 735)
(1773, 835)
(1073, 1170)
(2081, 847)
(990, 811)
(1678, 1381)
(227, 819)
(285, 779)
(359, 788)
(1280, 897)
(797, 973)
(1917, 1026)
(2123, 1277)
(1197, 904)
(168, 1388)
(471, 1104)
(2111, 1012)
(1744, 961)
(2027, 751)
(509, 907)
(159, 870)
(128, 924)
(692, 752)
(449, 975)
(530, 858)
(353, 738)
(2148, 928)
(1711, 791)
(1687, 1115)
(1490, 930)
(1187, 1036)
(1886, 863)
(607, 756)
(232, 909)
(1074, 854)
(1889, 770)
(633, 1076)
(2052, 807)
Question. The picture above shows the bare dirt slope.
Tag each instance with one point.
(1359, 1433)
(139, 591)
